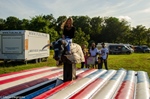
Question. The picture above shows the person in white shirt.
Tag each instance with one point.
(104, 56)
(93, 52)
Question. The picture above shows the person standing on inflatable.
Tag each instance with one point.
(69, 70)
(68, 33)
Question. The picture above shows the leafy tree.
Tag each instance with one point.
(53, 34)
(114, 30)
(148, 37)
(82, 22)
(41, 24)
(109, 31)
(96, 28)
(38, 23)
(59, 22)
(13, 23)
(2, 24)
(51, 20)
(80, 37)
(25, 24)
(123, 32)
(139, 34)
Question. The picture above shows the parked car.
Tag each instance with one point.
(138, 49)
(141, 49)
(119, 49)
(146, 49)
(130, 47)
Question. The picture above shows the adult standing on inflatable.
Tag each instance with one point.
(68, 34)
(67, 52)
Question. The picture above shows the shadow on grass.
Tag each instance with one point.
(10, 64)
(14, 63)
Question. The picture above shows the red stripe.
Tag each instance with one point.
(54, 75)
(28, 84)
(60, 87)
(126, 88)
(24, 76)
(12, 73)
(84, 92)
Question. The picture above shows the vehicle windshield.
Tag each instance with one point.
(128, 47)
(145, 47)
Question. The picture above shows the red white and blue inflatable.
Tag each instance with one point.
(47, 83)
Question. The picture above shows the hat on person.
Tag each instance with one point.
(102, 43)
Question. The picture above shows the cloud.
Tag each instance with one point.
(146, 10)
(127, 18)
(138, 10)
(75, 7)
(16, 8)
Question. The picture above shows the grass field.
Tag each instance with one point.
(136, 62)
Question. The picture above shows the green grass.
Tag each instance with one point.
(12, 67)
(136, 62)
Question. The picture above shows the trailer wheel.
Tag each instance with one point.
(26, 62)
(46, 58)
(5, 61)
(36, 60)
(39, 60)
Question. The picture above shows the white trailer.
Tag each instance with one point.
(23, 45)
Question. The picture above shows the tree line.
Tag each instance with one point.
(88, 30)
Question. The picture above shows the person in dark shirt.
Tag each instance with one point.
(68, 32)
(66, 39)
(69, 70)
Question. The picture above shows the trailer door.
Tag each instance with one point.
(12, 44)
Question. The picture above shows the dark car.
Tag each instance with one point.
(138, 49)
(146, 49)
(141, 49)
(119, 49)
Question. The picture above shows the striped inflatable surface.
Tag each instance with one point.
(47, 83)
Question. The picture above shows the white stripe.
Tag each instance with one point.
(107, 91)
(25, 73)
(142, 90)
(100, 85)
(14, 83)
(74, 88)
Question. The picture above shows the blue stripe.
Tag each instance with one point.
(106, 74)
(38, 92)
(95, 73)
(117, 75)
(129, 75)
(142, 77)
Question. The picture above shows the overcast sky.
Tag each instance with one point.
(137, 12)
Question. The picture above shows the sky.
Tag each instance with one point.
(136, 12)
